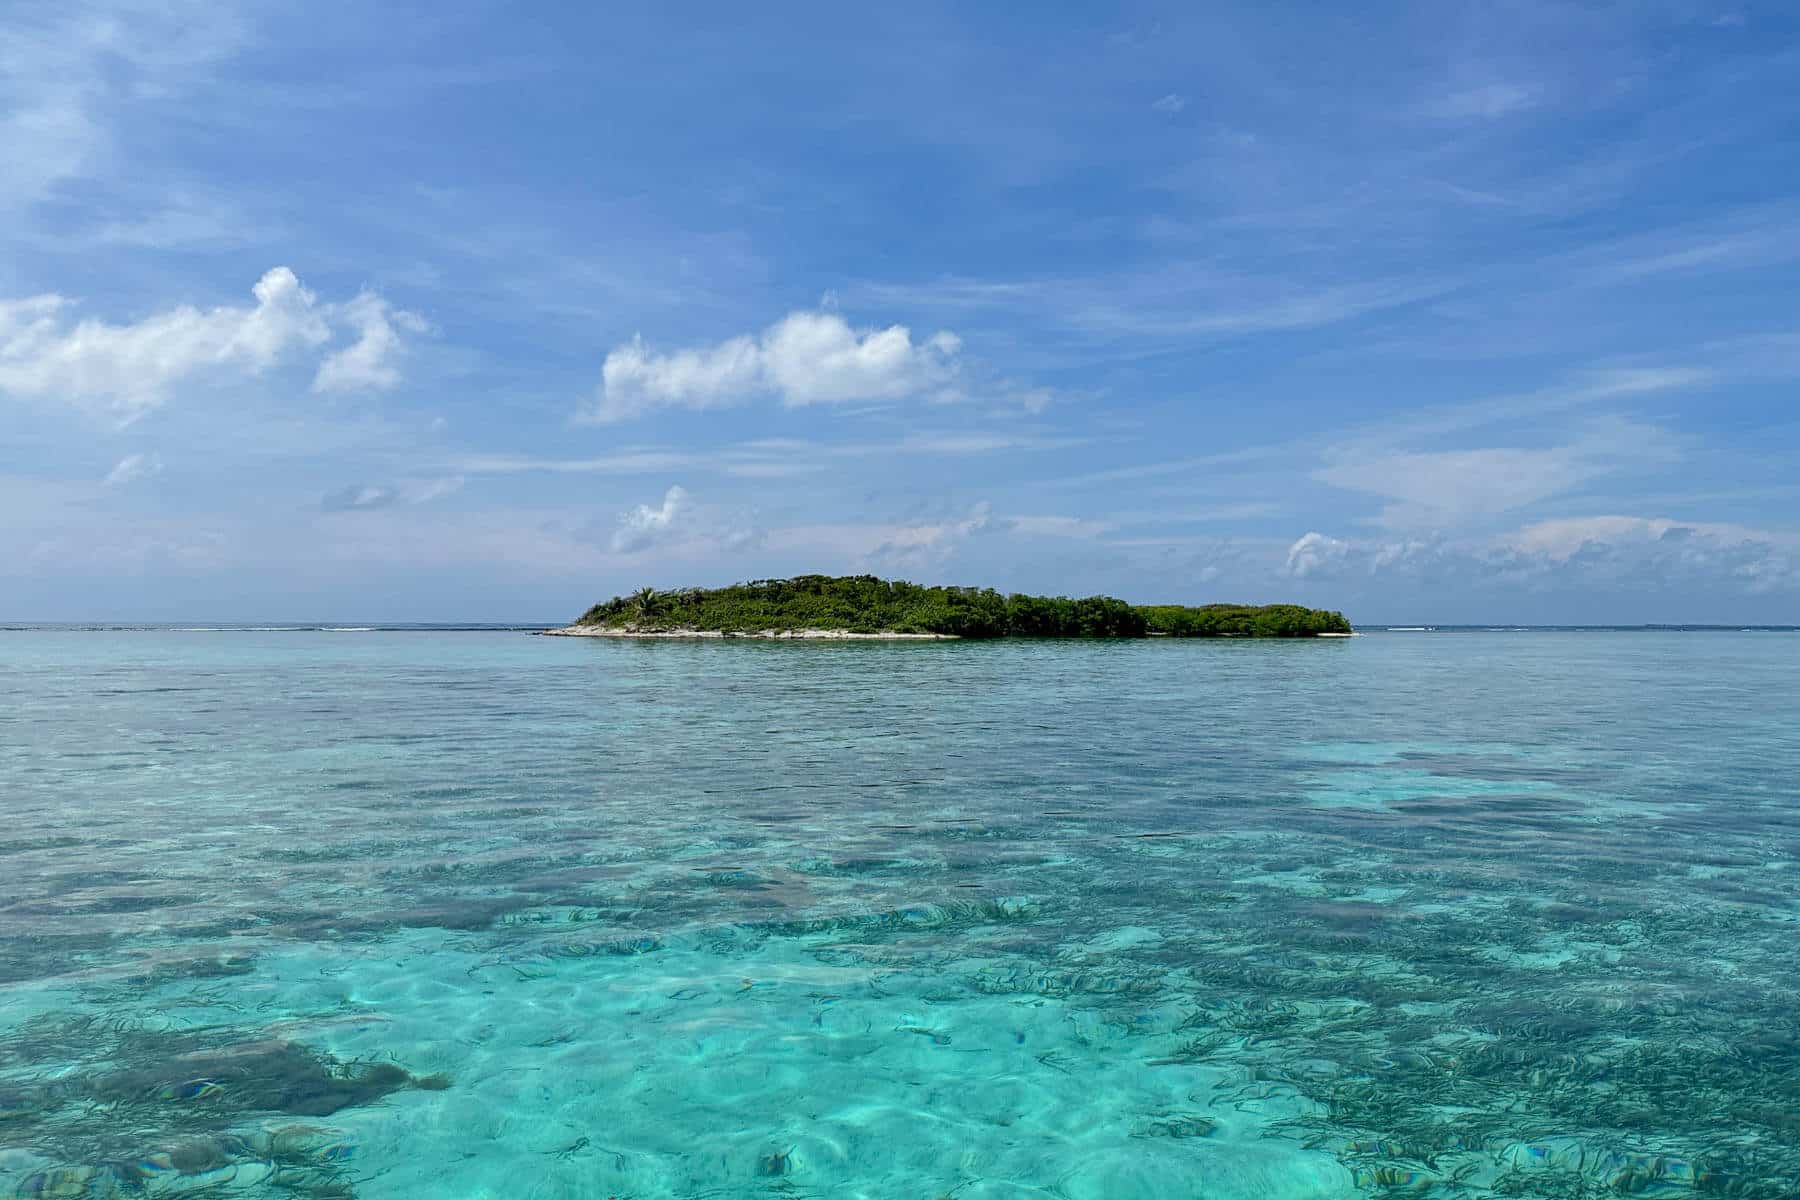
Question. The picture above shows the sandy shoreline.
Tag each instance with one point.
(820, 635)
(784, 635)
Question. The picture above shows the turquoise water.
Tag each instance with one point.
(488, 915)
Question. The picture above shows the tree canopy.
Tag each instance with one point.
(866, 604)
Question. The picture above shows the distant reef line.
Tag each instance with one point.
(865, 607)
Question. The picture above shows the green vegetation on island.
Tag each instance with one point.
(865, 604)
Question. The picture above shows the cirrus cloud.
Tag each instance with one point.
(132, 468)
(365, 497)
(1444, 489)
(1080, 528)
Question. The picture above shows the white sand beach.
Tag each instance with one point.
(822, 635)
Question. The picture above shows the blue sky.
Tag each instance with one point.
(1443, 312)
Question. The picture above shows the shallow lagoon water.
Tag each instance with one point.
(486, 915)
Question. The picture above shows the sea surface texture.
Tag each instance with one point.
(477, 914)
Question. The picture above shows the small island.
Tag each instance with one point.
(864, 606)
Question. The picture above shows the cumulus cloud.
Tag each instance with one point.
(132, 468)
(125, 371)
(634, 381)
(644, 526)
(1315, 554)
(816, 358)
(1170, 104)
(368, 363)
(805, 358)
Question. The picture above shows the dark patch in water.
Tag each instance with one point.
(183, 1092)
(265, 1076)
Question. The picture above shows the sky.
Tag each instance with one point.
(1436, 312)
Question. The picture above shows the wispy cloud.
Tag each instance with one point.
(928, 544)
(1248, 456)
(1303, 307)
(1174, 300)
(1445, 489)
(1079, 528)
(132, 468)
(1600, 552)
(969, 442)
(366, 497)
(1582, 389)
(767, 458)
(1487, 102)
(66, 70)
(624, 462)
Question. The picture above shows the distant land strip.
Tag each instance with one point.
(847, 607)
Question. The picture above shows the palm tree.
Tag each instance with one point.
(647, 603)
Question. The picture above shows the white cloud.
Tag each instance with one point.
(1316, 554)
(368, 363)
(65, 70)
(1562, 539)
(1488, 102)
(640, 461)
(1446, 488)
(978, 442)
(1658, 549)
(132, 468)
(364, 497)
(643, 526)
(773, 470)
(1170, 104)
(422, 490)
(928, 544)
(805, 358)
(1058, 527)
(634, 381)
(125, 371)
(816, 358)
(360, 497)
(762, 458)
(1638, 553)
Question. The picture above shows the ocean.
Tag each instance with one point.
(473, 914)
